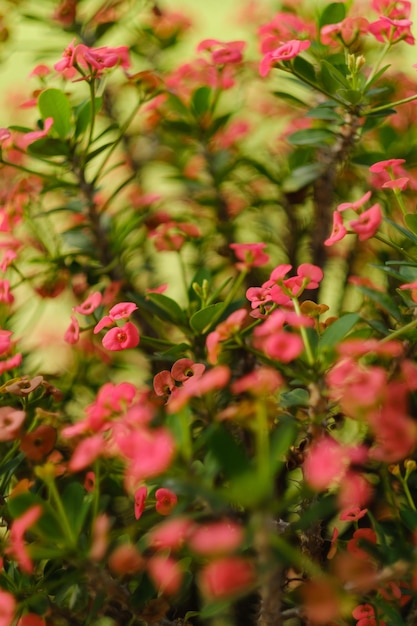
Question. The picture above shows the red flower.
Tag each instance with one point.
(166, 501)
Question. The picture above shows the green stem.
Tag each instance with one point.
(407, 493)
(383, 107)
(377, 65)
(393, 245)
(262, 443)
(114, 145)
(235, 289)
(65, 525)
(399, 331)
(304, 336)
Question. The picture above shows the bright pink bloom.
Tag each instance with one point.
(397, 183)
(149, 452)
(86, 452)
(287, 51)
(339, 230)
(355, 206)
(249, 255)
(11, 363)
(165, 573)
(17, 545)
(216, 538)
(72, 334)
(393, 8)
(325, 464)
(127, 336)
(29, 138)
(283, 27)
(5, 341)
(389, 30)
(346, 31)
(140, 499)
(352, 514)
(166, 501)
(284, 346)
(7, 608)
(90, 304)
(6, 295)
(227, 577)
(383, 166)
(312, 275)
(105, 322)
(367, 223)
(122, 310)
(223, 53)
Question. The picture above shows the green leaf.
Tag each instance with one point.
(411, 222)
(200, 101)
(281, 440)
(324, 113)
(169, 309)
(352, 96)
(407, 233)
(383, 300)
(47, 526)
(302, 176)
(338, 330)
(332, 77)
(202, 319)
(304, 70)
(54, 103)
(295, 397)
(92, 155)
(230, 454)
(332, 14)
(311, 137)
(48, 146)
(282, 95)
(76, 504)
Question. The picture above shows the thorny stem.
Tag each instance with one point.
(304, 336)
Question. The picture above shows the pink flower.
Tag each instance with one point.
(184, 369)
(86, 452)
(29, 138)
(352, 514)
(249, 255)
(367, 223)
(163, 383)
(127, 336)
(355, 205)
(223, 53)
(213, 379)
(360, 536)
(5, 341)
(325, 464)
(17, 546)
(171, 534)
(122, 310)
(72, 334)
(285, 52)
(216, 538)
(90, 304)
(100, 537)
(149, 452)
(11, 421)
(166, 501)
(284, 346)
(260, 382)
(383, 166)
(347, 31)
(7, 608)
(392, 30)
(396, 183)
(339, 230)
(226, 577)
(140, 499)
(165, 573)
